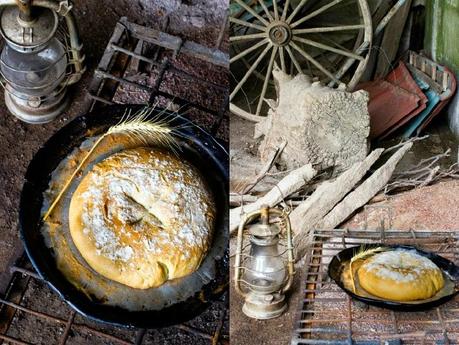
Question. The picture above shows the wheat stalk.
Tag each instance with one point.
(361, 254)
(138, 128)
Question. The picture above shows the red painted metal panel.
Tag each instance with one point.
(389, 104)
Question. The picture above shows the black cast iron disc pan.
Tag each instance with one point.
(213, 156)
(449, 269)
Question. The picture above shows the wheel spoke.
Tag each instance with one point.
(314, 62)
(262, 3)
(327, 47)
(327, 40)
(345, 67)
(282, 59)
(317, 44)
(294, 60)
(252, 12)
(285, 10)
(334, 44)
(250, 71)
(247, 37)
(247, 24)
(267, 78)
(251, 49)
(276, 11)
(296, 10)
(313, 14)
(328, 29)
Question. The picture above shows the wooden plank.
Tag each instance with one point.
(375, 6)
(391, 40)
(154, 36)
(214, 56)
(377, 16)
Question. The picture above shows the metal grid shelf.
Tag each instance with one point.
(175, 66)
(20, 308)
(26, 301)
(327, 315)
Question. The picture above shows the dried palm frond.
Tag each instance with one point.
(138, 128)
(362, 254)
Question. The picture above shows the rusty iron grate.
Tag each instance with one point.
(327, 315)
(177, 73)
(30, 313)
(53, 322)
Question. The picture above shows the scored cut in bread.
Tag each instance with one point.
(142, 217)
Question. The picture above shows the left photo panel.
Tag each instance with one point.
(114, 173)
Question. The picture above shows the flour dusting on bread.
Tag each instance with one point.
(399, 265)
(143, 209)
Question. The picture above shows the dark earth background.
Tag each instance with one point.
(196, 20)
(199, 21)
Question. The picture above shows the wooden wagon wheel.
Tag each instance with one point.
(315, 37)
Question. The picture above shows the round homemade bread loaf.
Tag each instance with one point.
(142, 217)
(400, 275)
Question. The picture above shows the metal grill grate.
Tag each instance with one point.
(29, 303)
(30, 313)
(178, 73)
(327, 315)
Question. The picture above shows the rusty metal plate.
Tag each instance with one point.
(388, 105)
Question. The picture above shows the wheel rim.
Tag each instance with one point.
(302, 36)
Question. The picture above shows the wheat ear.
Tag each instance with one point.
(137, 128)
(363, 253)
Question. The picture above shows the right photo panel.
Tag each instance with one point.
(344, 191)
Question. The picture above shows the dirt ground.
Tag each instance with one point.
(196, 20)
(278, 331)
(96, 19)
(430, 208)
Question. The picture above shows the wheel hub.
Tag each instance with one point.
(280, 33)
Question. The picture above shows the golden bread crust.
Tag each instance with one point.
(142, 217)
(400, 275)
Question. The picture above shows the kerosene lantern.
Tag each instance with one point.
(41, 57)
(264, 272)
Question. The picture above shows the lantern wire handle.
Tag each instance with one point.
(264, 213)
(237, 263)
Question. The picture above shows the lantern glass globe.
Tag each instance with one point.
(266, 271)
(36, 73)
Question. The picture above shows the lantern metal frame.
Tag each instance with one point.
(264, 302)
(45, 108)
